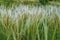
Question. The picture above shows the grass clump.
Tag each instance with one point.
(39, 26)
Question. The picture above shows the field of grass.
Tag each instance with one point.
(26, 22)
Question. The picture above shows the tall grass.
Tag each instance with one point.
(30, 23)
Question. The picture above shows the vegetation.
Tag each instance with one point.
(41, 26)
(20, 25)
(26, 1)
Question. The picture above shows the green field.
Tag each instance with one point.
(19, 21)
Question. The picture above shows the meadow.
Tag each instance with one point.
(25, 22)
